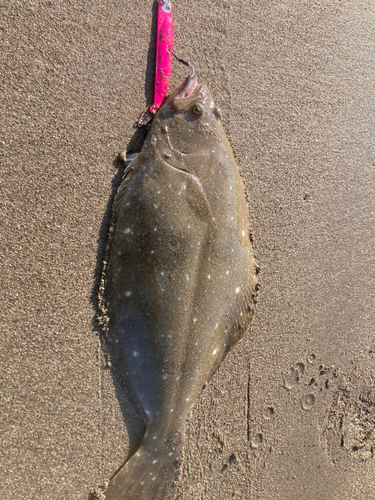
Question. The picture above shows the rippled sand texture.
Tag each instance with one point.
(290, 413)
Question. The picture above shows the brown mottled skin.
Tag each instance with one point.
(180, 281)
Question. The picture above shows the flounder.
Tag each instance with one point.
(180, 282)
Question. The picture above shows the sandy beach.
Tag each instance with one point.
(290, 414)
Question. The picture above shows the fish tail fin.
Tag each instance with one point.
(148, 475)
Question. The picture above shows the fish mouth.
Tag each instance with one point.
(189, 87)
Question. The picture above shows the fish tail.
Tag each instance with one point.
(148, 475)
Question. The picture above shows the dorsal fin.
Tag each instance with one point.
(244, 314)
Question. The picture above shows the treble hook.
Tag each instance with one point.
(186, 64)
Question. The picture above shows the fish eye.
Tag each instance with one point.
(197, 110)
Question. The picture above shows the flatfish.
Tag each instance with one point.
(180, 282)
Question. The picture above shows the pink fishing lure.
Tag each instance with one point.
(164, 51)
(164, 54)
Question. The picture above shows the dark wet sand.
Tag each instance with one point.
(291, 413)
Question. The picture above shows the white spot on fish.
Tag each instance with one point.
(155, 229)
(243, 233)
(164, 377)
(135, 354)
(127, 294)
(194, 320)
(237, 290)
(154, 461)
(162, 273)
(187, 277)
(187, 399)
(227, 272)
(215, 351)
(208, 276)
(199, 243)
(172, 409)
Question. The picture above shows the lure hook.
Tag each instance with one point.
(186, 64)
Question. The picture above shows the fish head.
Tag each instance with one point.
(187, 126)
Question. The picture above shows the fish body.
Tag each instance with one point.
(180, 281)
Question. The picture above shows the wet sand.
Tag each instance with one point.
(291, 412)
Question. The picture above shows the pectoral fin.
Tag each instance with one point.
(197, 198)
